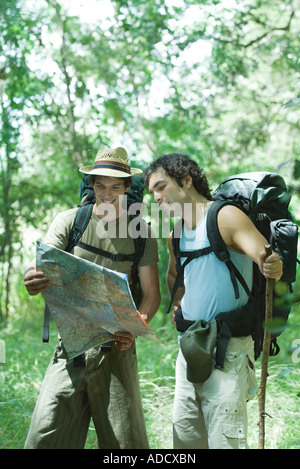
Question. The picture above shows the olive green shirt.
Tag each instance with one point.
(114, 238)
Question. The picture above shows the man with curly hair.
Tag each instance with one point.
(210, 414)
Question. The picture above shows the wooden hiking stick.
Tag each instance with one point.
(265, 357)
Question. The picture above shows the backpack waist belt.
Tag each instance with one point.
(236, 323)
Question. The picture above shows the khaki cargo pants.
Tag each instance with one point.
(213, 415)
(106, 390)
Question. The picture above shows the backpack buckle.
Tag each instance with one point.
(114, 257)
(224, 256)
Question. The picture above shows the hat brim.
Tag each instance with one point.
(110, 172)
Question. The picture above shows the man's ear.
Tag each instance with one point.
(187, 181)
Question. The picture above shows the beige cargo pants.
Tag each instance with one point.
(213, 415)
(106, 390)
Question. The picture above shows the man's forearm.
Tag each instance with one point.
(149, 306)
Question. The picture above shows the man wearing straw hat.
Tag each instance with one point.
(105, 386)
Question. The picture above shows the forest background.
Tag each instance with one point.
(217, 80)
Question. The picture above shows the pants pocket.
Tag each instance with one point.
(233, 436)
(235, 362)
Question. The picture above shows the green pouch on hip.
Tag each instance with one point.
(197, 345)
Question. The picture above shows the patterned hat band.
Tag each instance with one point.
(112, 165)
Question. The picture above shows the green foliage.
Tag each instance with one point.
(27, 358)
(216, 81)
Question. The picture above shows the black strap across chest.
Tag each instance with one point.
(107, 254)
(190, 255)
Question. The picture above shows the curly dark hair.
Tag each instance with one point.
(179, 166)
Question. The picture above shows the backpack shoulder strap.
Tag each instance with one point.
(135, 286)
(176, 233)
(219, 247)
(81, 221)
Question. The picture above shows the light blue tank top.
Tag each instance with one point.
(208, 287)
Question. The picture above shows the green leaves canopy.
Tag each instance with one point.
(206, 78)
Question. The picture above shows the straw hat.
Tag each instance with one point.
(111, 162)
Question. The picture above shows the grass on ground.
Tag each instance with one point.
(27, 358)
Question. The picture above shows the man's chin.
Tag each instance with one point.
(172, 210)
(107, 209)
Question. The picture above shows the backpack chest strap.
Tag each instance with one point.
(190, 255)
(107, 254)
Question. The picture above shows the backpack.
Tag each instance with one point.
(84, 213)
(264, 198)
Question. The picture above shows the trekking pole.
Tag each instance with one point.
(265, 356)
